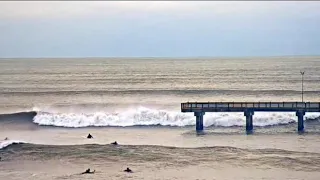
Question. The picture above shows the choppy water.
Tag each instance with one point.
(52, 104)
(126, 92)
(148, 162)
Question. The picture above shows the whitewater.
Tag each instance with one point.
(143, 116)
(6, 143)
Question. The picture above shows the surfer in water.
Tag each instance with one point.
(115, 143)
(89, 172)
(89, 136)
(6, 138)
(128, 170)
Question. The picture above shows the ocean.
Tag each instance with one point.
(48, 107)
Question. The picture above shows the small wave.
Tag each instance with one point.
(6, 143)
(17, 115)
(148, 117)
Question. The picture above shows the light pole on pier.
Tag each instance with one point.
(302, 73)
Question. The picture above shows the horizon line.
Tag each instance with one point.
(155, 57)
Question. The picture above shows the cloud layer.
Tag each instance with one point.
(70, 9)
(172, 28)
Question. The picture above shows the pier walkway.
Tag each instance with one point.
(248, 108)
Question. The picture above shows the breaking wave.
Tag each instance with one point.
(148, 117)
(6, 143)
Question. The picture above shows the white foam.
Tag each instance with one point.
(146, 116)
(6, 143)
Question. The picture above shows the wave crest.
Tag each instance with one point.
(147, 117)
(6, 143)
(140, 116)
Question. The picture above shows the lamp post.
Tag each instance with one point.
(302, 73)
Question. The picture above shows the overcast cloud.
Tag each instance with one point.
(158, 29)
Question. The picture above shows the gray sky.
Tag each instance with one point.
(159, 29)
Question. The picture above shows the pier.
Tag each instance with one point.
(248, 108)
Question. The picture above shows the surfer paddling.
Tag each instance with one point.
(128, 170)
(89, 136)
(89, 172)
(115, 143)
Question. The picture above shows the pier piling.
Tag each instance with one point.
(249, 120)
(300, 115)
(199, 121)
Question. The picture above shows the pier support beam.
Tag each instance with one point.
(249, 120)
(199, 121)
(300, 115)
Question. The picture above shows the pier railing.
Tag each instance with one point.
(256, 106)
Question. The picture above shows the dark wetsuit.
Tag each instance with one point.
(115, 143)
(88, 171)
(128, 170)
(89, 136)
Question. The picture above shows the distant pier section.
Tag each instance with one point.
(248, 108)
